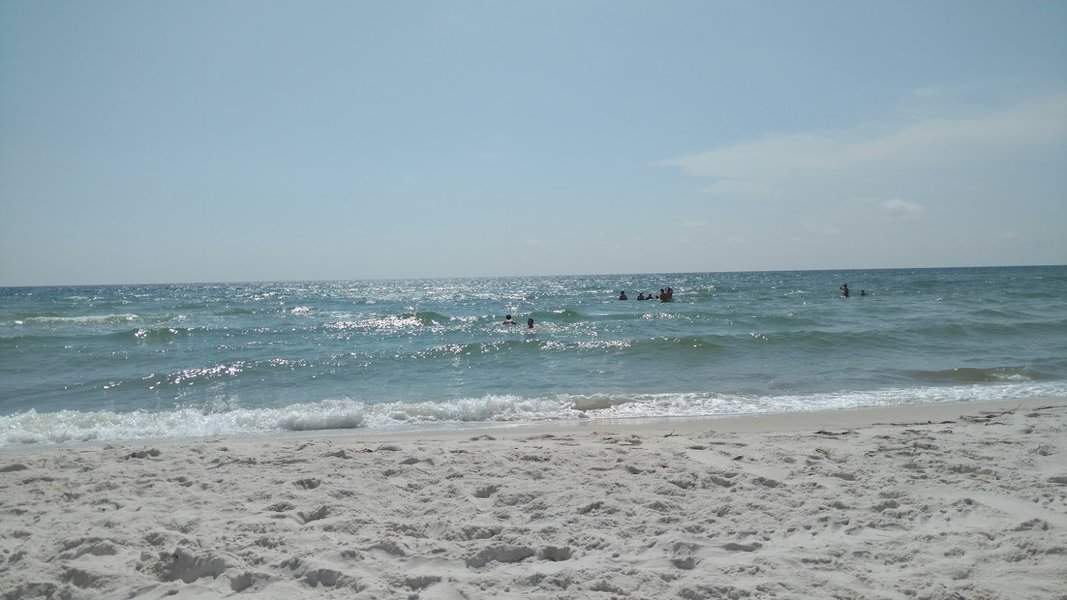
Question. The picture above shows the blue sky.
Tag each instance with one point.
(209, 141)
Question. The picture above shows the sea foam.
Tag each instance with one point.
(103, 425)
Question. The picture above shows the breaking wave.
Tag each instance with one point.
(80, 320)
(104, 425)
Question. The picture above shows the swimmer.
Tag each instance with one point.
(508, 320)
(640, 295)
(529, 323)
(622, 295)
(844, 290)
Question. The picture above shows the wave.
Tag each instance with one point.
(897, 337)
(655, 312)
(138, 334)
(403, 321)
(180, 379)
(739, 339)
(156, 333)
(684, 343)
(51, 319)
(977, 375)
(997, 314)
(235, 311)
(81, 426)
(183, 422)
(529, 345)
(961, 329)
(563, 315)
(230, 369)
(429, 317)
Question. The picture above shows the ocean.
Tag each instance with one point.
(156, 361)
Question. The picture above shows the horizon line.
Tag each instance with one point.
(446, 277)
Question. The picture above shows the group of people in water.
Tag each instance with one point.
(845, 293)
(664, 295)
(509, 321)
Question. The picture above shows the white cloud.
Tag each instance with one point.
(899, 191)
(777, 162)
(903, 209)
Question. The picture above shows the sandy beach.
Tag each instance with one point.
(915, 502)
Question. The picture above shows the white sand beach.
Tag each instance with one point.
(916, 502)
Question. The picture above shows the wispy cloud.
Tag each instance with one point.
(902, 209)
(778, 163)
(898, 190)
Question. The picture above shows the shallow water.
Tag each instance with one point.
(119, 362)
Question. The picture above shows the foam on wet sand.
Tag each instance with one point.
(937, 502)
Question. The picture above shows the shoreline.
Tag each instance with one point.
(947, 501)
(769, 422)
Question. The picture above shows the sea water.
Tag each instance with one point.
(148, 361)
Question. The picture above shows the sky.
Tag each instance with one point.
(243, 140)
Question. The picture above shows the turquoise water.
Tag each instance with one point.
(121, 362)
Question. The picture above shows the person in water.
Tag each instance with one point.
(508, 320)
(844, 290)
(863, 292)
(640, 295)
(622, 295)
(529, 323)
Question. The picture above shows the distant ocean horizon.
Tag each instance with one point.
(375, 278)
(146, 361)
